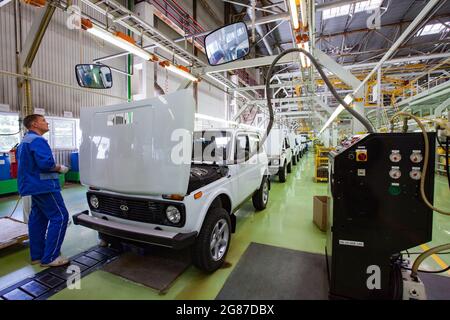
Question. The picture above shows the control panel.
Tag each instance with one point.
(376, 208)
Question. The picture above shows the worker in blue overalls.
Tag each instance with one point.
(38, 177)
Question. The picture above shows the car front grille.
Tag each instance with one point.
(135, 209)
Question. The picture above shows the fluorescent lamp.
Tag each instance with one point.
(119, 42)
(181, 72)
(294, 14)
(348, 99)
(306, 63)
(304, 13)
(306, 47)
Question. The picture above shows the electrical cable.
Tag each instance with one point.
(409, 253)
(9, 134)
(426, 271)
(426, 158)
(333, 91)
(426, 254)
(359, 117)
(15, 207)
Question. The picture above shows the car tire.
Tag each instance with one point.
(298, 157)
(289, 167)
(294, 160)
(282, 173)
(261, 196)
(203, 257)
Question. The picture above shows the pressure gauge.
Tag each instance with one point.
(415, 174)
(395, 156)
(395, 173)
(416, 157)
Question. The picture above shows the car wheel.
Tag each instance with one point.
(294, 160)
(298, 157)
(282, 173)
(211, 245)
(261, 196)
(289, 167)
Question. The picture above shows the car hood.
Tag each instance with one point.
(142, 147)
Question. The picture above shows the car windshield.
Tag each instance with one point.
(211, 146)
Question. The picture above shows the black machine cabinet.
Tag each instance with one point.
(376, 209)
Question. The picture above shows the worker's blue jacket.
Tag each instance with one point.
(35, 160)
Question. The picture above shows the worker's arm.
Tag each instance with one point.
(44, 157)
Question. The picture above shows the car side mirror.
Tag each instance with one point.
(227, 44)
(94, 76)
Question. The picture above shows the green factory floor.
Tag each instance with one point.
(286, 222)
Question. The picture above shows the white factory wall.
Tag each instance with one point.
(60, 50)
(211, 101)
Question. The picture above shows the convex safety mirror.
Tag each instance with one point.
(227, 44)
(93, 76)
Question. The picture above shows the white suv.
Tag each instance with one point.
(138, 192)
(303, 144)
(279, 153)
(295, 146)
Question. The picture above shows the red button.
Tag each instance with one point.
(362, 157)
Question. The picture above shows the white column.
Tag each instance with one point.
(143, 80)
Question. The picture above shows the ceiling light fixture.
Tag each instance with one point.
(294, 13)
(118, 39)
(179, 70)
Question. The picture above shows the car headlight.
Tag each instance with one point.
(173, 214)
(276, 162)
(94, 201)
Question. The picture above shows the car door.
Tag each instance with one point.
(256, 161)
(288, 149)
(245, 170)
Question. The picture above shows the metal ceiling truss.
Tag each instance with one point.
(116, 13)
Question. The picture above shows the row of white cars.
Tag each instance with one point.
(153, 179)
(284, 149)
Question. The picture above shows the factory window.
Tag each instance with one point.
(361, 6)
(9, 128)
(63, 133)
(431, 29)
(336, 12)
(367, 5)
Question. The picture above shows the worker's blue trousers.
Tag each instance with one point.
(47, 226)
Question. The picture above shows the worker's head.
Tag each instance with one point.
(37, 123)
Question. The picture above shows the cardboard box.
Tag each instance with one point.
(320, 211)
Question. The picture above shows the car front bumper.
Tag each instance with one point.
(273, 170)
(134, 233)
